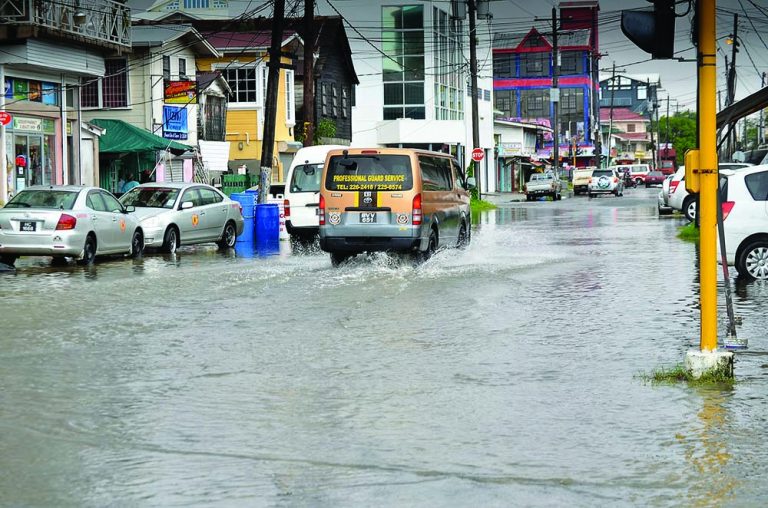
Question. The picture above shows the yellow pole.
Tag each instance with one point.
(708, 173)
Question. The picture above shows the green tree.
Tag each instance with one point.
(682, 132)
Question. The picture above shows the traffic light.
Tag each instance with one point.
(653, 32)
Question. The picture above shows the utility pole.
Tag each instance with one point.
(473, 79)
(610, 115)
(596, 100)
(760, 126)
(270, 106)
(653, 108)
(309, 72)
(554, 96)
(731, 81)
(666, 150)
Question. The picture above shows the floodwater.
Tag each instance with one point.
(508, 374)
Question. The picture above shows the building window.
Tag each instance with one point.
(290, 100)
(449, 93)
(630, 127)
(243, 83)
(111, 91)
(505, 102)
(534, 103)
(504, 65)
(195, 4)
(571, 109)
(642, 92)
(167, 68)
(182, 69)
(534, 65)
(403, 63)
(571, 62)
(335, 104)
(344, 101)
(89, 93)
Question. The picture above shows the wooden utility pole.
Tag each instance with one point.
(610, 112)
(473, 79)
(309, 72)
(555, 96)
(653, 107)
(270, 105)
(760, 128)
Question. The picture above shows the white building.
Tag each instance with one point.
(412, 59)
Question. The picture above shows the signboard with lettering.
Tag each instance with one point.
(23, 123)
(175, 123)
(180, 92)
(509, 149)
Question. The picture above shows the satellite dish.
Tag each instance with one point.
(738, 156)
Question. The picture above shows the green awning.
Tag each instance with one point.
(122, 137)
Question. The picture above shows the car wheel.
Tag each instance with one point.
(338, 258)
(589, 195)
(689, 208)
(558, 196)
(8, 260)
(89, 251)
(137, 244)
(638, 181)
(664, 211)
(228, 237)
(753, 261)
(463, 240)
(170, 240)
(431, 246)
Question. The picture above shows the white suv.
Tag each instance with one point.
(745, 220)
(605, 181)
(681, 200)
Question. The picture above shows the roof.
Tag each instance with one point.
(252, 40)
(206, 79)
(620, 115)
(150, 36)
(566, 38)
(122, 137)
(631, 136)
(653, 79)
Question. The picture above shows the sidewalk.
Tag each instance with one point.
(501, 198)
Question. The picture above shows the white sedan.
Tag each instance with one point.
(67, 221)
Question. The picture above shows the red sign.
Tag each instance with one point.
(478, 154)
(5, 118)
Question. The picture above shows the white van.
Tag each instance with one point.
(302, 191)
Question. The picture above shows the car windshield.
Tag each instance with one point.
(150, 197)
(657, 174)
(542, 176)
(602, 172)
(369, 172)
(44, 198)
(306, 178)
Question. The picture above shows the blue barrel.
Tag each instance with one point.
(268, 228)
(255, 193)
(248, 202)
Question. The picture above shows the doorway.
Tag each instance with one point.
(37, 158)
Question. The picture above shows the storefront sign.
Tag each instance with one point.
(23, 123)
(181, 92)
(5, 118)
(510, 149)
(8, 88)
(20, 89)
(175, 123)
(35, 91)
(50, 94)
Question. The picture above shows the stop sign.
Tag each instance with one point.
(478, 154)
(5, 118)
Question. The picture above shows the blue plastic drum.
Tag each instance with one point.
(268, 228)
(248, 201)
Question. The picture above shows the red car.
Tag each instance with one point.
(654, 178)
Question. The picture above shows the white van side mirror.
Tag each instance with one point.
(471, 182)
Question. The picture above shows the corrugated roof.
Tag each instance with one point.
(156, 35)
(566, 38)
(620, 115)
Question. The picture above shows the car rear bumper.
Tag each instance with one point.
(540, 192)
(301, 230)
(369, 244)
(54, 243)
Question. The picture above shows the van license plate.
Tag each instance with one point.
(368, 218)
(28, 226)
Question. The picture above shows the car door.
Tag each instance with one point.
(119, 233)
(213, 214)
(190, 227)
(101, 221)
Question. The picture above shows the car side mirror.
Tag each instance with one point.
(129, 209)
(471, 182)
(186, 205)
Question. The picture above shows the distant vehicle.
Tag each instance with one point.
(392, 199)
(637, 173)
(681, 200)
(745, 220)
(174, 214)
(581, 180)
(605, 181)
(663, 198)
(302, 192)
(544, 184)
(67, 221)
(667, 167)
(654, 178)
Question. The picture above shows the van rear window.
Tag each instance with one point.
(369, 172)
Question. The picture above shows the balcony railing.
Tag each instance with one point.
(104, 21)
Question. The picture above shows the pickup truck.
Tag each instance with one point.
(581, 180)
(543, 184)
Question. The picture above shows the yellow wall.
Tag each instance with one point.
(242, 124)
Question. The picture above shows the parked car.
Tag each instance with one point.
(302, 193)
(663, 198)
(744, 196)
(544, 184)
(654, 178)
(67, 221)
(605, 181)
(174, 214)
(392, 199)
(581, 180)
(681, 200)
(637, 173)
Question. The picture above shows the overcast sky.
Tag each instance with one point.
(678, 79)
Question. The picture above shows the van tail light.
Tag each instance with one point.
(727, 207)
(66, 222)
(416, 214)
(240, 206)
(321, 211)
(287, 209)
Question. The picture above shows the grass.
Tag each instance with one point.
(481, 205)
(689, 233)
(679, 374)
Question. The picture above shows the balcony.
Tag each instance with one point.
(102, 22)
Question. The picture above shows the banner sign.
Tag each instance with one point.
(175, 123)
(180, 92)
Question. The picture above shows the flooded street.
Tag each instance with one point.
(508, 374)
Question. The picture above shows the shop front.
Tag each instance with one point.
(31, 148)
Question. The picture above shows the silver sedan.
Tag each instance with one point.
(174, 214)
(67, 221)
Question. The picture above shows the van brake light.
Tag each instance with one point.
(287, 209)
(321, 211)
(416, 214)
(727, 207)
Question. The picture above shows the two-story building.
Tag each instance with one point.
(48, 50)
(517, 144)
(637, 93)
(523, 70)
(629, 136)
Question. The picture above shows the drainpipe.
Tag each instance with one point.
(63, 110)
(3, 154)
